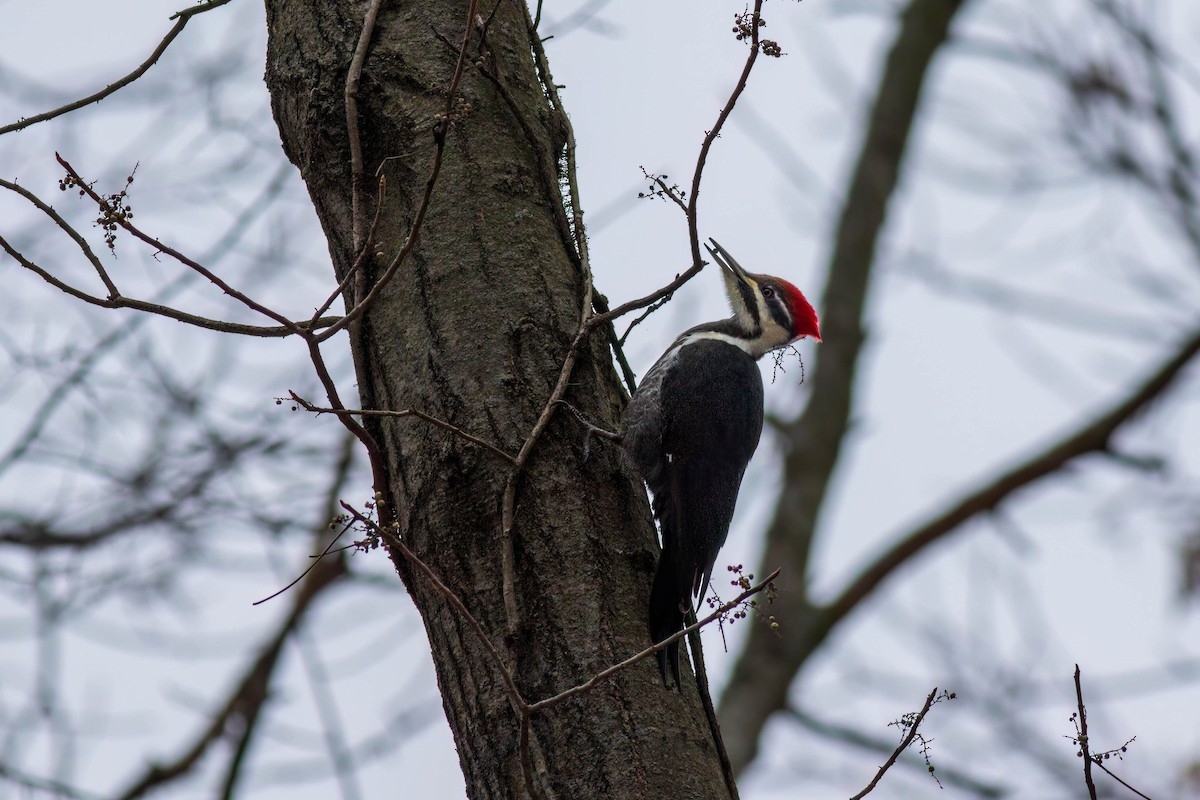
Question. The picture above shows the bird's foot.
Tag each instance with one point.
(590, 430)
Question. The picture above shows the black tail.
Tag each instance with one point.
(665, 616)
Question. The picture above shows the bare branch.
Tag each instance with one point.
(1083, 738)
(721, 610)
(900, 748)
(357, 175)
(710, 712)
(844, 734)
(175, 254)
(510, 686)
(116, 300)
(1117, 778)
(650, 299)
(509, 502)
(221, 326)
(183, 18)
(711, 136)
(1089, 754)
(692, 218)
(408, 412)
(364, 254)
(82, 243)
(440, 132)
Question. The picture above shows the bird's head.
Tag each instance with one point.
(773, 312)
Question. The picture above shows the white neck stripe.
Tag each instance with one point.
(745, 345)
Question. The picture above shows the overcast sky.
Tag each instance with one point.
(951, 389)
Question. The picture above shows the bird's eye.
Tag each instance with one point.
(768, 292)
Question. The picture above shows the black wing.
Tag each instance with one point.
(690, 430)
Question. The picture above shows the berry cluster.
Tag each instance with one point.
(659, 188)
(746, 24)
(1080, 739)
(462, 108)
(115, 210)
(907, 721)
(744, 581)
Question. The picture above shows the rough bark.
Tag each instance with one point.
(769, 662)
(473, 330)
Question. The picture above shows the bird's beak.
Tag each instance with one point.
(728, 262)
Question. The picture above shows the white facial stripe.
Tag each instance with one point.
(745, 345)
(778, 304)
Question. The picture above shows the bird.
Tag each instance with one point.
(691, 427)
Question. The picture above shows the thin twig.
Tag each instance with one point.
(526, 757)
(692, 217)
(600, 304)
(340, 754)
(364, 253)
(440, 131)
(316, 560)
(904, 743)
(1116, 778)
(1083, 737)
(710, 712)
(650, 309)
(508, 505)
(169, 312)
(649, 651)
(845, 734)
(408, 412)
(182, 17)
(711, 136)
(374, 452)
(510, 686)
(357, 179)
(67, 228)
(671, 192)
(178, 256)
(650, 299)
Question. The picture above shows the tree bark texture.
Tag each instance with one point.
(474, 329)
(769, 662)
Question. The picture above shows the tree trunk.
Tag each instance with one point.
(474, 329)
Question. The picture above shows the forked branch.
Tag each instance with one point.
(408, 412)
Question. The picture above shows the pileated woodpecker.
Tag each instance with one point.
(692, 426)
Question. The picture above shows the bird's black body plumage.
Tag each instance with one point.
(692, 426)
(690, 430)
